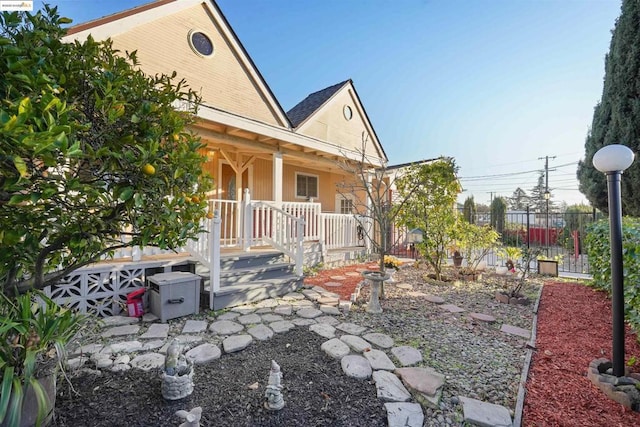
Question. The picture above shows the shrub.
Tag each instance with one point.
(598, 249)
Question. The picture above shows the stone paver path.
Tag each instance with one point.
(363, 354)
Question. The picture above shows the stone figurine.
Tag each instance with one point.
(273, 392)
(191, 418)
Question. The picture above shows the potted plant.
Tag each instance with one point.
(33, 336)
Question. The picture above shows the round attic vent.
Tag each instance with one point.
(200, 43)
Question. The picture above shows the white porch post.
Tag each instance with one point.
(247, 218)
(299, 246)
(214, 250)
(277, 177)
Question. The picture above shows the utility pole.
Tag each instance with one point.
(547, 195)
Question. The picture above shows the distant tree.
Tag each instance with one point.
(469, 210)
(431, 208)
(616, 118)
(482, 208)
(519, 200)
(498, 214)
(537, 201)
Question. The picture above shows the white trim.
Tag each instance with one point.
(317, 196)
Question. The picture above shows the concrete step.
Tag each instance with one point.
(249, 260)
(246, 275)
(238, 294)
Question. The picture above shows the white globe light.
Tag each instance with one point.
(611, 158)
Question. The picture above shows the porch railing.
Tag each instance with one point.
(341, 230)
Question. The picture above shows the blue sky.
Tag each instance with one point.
(496, 84)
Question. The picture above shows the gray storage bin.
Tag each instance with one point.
(174, 294)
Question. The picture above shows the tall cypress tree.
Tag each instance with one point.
(616, 118)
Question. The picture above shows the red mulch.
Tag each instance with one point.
(574, 327)
(348, 285)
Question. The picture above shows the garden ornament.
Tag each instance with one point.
(192, 418)
(273, 392)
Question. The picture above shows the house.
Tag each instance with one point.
(275, 172)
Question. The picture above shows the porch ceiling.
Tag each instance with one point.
(244, 142)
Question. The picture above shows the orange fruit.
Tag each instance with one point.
(148, 169)
(195, 199)
(209, 215)
(187, 199)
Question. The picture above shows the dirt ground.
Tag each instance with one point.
(316, 391)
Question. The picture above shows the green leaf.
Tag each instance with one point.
(25, 106)
(135, 119)
(126, 194)
(20, 165)
(5, 392)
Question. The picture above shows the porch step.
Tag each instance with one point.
(251, 259)
(251, 274)
(234, 295)
(250, 277)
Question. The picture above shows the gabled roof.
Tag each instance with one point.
(312, 103)
(120, 22)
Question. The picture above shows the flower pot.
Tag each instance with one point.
(548, 267)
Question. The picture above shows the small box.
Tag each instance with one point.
(174, 294)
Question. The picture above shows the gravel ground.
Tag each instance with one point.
(478, 360)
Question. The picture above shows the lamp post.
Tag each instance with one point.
(613, 160)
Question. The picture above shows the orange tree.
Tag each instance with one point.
(90, 149)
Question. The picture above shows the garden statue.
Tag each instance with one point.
(177, 379)
(192, 418)
(273, 392)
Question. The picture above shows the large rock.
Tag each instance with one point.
(236, 343)
(400, 414)
(194, 326)
(282, 326)
(423, 380)
(309, 313)
(260, 332)
(380, 340)
(355, 366)
(156, 331)
(351, 328)
(335, 348)
(356, 343)
(120, 331)
(203, 353)
(225, 327)
(379, 360)
(389, 387)
(324, 330)
(406, 355)
(249, 319)
(485, 414)
(148, 361)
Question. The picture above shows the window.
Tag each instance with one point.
(200, 43)
(346, 206)
(348, 114)
(306, 186)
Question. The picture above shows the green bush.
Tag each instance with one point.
(598, 249)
